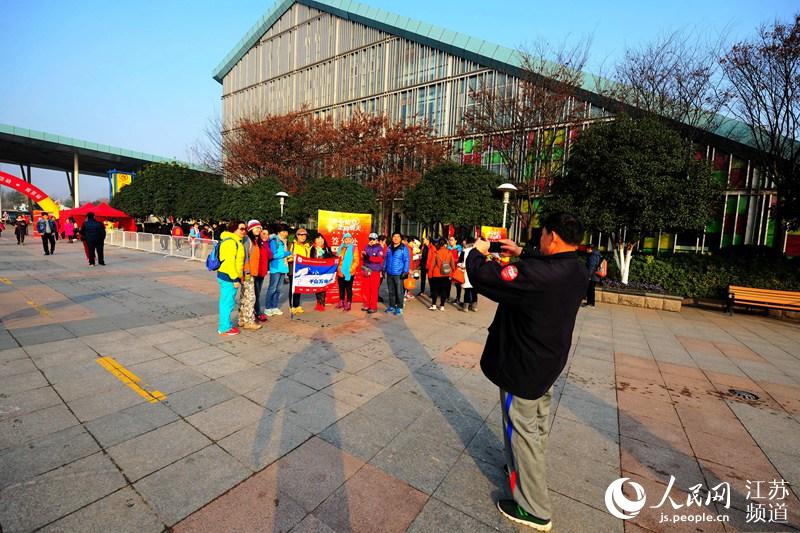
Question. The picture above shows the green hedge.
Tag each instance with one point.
(708, 276)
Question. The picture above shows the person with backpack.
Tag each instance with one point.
(396, 267)
(278, 267)
(440, 268)
(177, 233)
(230, 273)
(592, 265)
(321, 250)
(258, 240)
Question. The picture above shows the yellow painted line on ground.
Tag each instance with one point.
(130, 379)
(42, 310)
(6, 281)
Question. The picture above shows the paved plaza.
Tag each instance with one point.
(121, 409)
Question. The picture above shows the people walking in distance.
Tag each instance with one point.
(592, 264)
(470, 294)
(321, 250)
(2, 227)
(230, 274)
(349, 262)
(455, 249)
(302, 248)
(194, 237)
(527, 348)
(278, 267)
(164, 231)
(371, 272)
(177, 235)
(396, 267)
(48, 231)
(20, 229)
(94, 235)
(440, 267)
(258, 241)
(69, 229)
(423, 264)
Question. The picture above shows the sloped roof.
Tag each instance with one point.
(483, 52)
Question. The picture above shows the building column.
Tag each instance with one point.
(76, 181)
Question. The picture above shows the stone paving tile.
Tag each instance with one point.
(198, 398)
(279, 394)
(20, 403)
(12, 354)
(264, 442)
(319, 376)
(198, 356)
(11, 367)
(359, 435)
(157, 367)
(152, 451)
(22, 382)
(312, 524)
(129, 423)
(658, 462)
(181, 488)
(227, 417)
(52, 495)
(421, 462)
(121, 512)
(104, 403)
(354, 390)
(247, 380)
(252, 506)
(177, 381)
(52, 451)
(22, 429)
(437, 517)
(371, 501)
(316, 412)
(225, 366)
(572, 515)
(387, 372)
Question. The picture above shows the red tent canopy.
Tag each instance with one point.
(102, 212)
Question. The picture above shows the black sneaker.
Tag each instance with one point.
(517, 514)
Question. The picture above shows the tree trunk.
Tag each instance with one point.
(623, 253)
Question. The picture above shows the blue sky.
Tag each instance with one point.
(137, 74)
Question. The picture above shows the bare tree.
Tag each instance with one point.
(677, 77)
(207, 150)
(525, 121)
(764, 74)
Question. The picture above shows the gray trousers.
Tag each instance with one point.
(526, 430)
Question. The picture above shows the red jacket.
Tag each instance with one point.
(436, 258)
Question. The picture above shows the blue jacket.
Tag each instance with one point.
(397, 262)
(40, 226)
(278, 264)
(93, 230)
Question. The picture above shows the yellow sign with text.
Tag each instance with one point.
(122, 180)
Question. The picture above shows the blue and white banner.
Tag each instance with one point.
(313, 275)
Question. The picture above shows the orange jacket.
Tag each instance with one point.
(436, 258)
(353, 266)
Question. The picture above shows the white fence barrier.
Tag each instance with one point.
(184, 247)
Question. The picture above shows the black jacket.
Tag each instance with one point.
(592, 264)
(530, 337)
(93, 230)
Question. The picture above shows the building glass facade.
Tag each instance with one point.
(312, 59)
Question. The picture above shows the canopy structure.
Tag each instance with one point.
(102, 212)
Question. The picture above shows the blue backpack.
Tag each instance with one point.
(212, 261)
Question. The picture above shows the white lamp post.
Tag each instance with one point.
(282, 196)
(507, 189)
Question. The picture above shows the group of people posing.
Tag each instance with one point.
(253, 257)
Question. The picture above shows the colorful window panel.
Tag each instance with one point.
(737, 179)
(720, 165)
(730, 220)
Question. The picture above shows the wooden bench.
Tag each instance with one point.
(767, 298)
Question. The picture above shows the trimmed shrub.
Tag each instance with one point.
(708, 276)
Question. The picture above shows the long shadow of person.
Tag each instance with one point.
(307, 470)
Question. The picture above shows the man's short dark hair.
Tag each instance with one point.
(90, 215)
(397, 233)
(568, 227)
(470, 240)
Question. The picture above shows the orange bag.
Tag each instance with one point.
(458, 276)
(409, 283)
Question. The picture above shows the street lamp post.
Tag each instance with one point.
(282, 196)
(507, 189)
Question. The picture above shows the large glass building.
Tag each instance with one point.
(333, 57)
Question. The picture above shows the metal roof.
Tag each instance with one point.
(485, 53)
(47, 150)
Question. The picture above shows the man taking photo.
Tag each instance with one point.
(527, 348)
